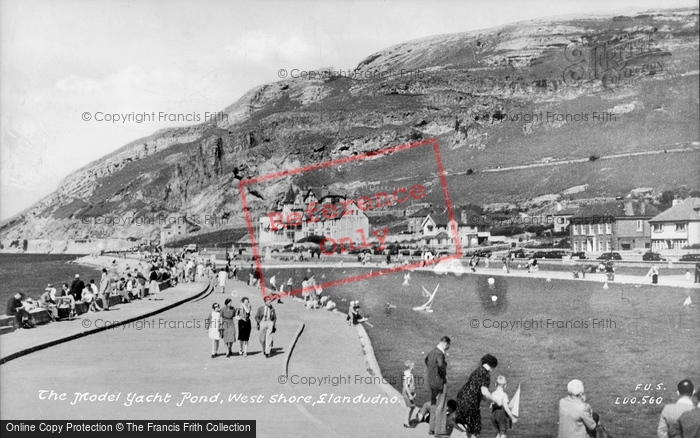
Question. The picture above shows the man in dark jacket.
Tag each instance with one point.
(76, 288)
(437, 385)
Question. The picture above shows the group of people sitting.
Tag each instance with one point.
(61, 303)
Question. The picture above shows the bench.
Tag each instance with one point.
(39, 316)
(7, 324)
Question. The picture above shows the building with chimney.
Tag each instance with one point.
(678, 227)
(290, 221)
(612, 226)
(471, 229)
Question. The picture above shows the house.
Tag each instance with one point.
(678, 227)
(612, 226)
(415, 220)
(300, 214)
(561, 220)
(436, 229)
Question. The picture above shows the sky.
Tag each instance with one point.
(62, 59)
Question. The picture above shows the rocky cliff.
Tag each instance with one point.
(478, 93)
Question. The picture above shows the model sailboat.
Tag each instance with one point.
(514, 404)
(427, 306)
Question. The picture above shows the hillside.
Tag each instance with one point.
(478, 93)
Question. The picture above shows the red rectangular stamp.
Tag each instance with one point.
(357, 204)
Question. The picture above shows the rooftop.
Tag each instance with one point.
(686, 210)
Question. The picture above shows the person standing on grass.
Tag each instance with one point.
(575, 415)
(266, 320)
(470, 396)
(690, 421)
(214, 328)
(502, 418)
(437, 385)
(668, 423)
(244, 327)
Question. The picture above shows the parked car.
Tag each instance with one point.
(690, 258)
(192, 247)
(579, 255)
(478, 253)
(549, 255)
(653, 257)
(610, 256)
(518, 254)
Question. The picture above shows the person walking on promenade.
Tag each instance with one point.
(105, 288)
(222, 280)
(470, 396)
(228, 313)
(697, 272)
(409, 391)
(575, 415)
(153, 286)
(668, 423)
(437, 386)
(266, 320)
(244, 327)
(214, 329)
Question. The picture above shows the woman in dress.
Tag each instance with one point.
(470, 396)
(228, 314)
(153, 286)
(213, 327)
(244, 326)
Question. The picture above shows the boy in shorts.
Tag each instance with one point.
(502, 417)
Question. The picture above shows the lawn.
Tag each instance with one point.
(653, 340)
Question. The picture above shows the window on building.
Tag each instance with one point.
(658, 228)
(640, 226)
(430, 228)
(600, 228)
(575, 228)
(590, 228)
(575, 246)
(608, 228)
(680, 227)
(607, 246)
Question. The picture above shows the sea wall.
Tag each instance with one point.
(47, 246)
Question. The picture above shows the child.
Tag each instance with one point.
(599, 431)
(423, 416)
(502, 417)
(409, 390)
(451, 421)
